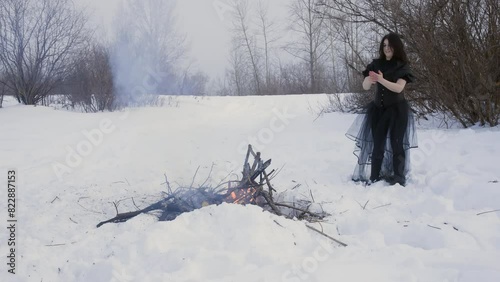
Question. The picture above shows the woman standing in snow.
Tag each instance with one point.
(386, 130)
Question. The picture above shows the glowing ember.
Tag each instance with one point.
(242, 196)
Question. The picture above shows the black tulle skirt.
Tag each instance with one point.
(399, 120)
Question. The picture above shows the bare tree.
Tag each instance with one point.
(244, 38)
(238, 73)
(37, 39)
(269, 33)
(337, 71)
(265, 25)
(311, 44)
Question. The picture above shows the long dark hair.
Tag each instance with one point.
(396, 45)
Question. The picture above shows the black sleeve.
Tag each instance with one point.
(405, 73)
(369, 67)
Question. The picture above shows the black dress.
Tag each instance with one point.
(385, 131)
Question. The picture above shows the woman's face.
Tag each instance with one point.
(388, 51)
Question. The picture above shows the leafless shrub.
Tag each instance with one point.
(346, 102)
(192, 83)
(293, 79)
(91, 81)
(454, 47)
(57, 101)
(355, 102)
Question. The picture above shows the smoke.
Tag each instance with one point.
(146, 51)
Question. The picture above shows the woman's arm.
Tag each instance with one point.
(367, 83)
(397, 87)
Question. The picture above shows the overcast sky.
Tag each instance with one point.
(205, 22)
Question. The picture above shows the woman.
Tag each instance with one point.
(386, 130)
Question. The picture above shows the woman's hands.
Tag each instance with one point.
(397, 87)
(376, 77)
(368, 82)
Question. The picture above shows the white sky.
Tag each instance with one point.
(205, 22)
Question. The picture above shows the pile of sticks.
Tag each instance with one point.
(254, 188)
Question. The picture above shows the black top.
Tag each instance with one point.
(392, 71)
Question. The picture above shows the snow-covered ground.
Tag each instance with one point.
(71, 167)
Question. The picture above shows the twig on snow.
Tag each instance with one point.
(327, 236)
(488, 212)
(363, 207)
(382, 206)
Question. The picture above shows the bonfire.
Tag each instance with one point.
(254, 188)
